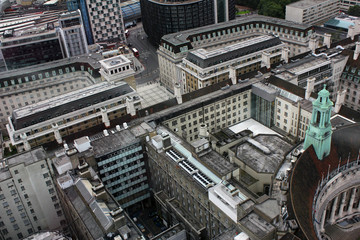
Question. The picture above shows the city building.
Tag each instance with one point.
(106, 20)
(30, 47)
(174, 47)
(131, 11)
(193, 185)
(60, 116)
(345, 4)
(160, 18)
(121, 165)
(224, 108)
(326, 67)
(350, 80)
(29, 200)
(29, 85)
(74, 5)
(72, 33)
(90, 210)
(202, 67)
(312, 12)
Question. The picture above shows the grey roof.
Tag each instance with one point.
(182, 37)
(27, 158)
(66, 103)
(113, 142)
(265, 154)
(218, 163)
(205, 59)
(84, 213)
(258, 226)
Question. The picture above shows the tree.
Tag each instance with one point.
(271, 8)
(354, 11)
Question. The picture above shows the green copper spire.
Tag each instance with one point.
(319, 131)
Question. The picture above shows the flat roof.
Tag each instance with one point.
(114, 141)
(304, 4)
(114, 61)
(182, 37)
(218, 163)
(263, 153)
(72, 97)
(257, 225)
(205, 58)
(254, 126)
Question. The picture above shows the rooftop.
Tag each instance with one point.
(263, 153)
(218, 163)
(183, 37)
(255, 127)
(258, 226)
(205, 58)
(304, 4)
(114, 141)
(113, 62)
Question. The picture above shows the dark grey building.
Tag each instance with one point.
(161, 18)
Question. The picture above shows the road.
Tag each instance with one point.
(148, 57)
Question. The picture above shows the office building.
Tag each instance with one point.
(160, 18)
(69, 113)
(174, 47)
(121, 165)
(325, 67)
(90, 210)
(72, 34)
(28, 195)
(312, 12)
(29, 85)
(106, 20)
(74, 5)
(194, 185)
(28, 48)
(202, 68)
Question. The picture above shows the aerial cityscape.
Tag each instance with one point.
(180, 119)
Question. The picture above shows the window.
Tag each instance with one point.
(46, 175)
(42, 165)
(22, 188)
(19, 180)
(13, 192)
(8, 212)
(16, 171)
(26, 196)
(5, 204)
(48, 183)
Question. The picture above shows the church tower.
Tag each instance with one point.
(319, 131)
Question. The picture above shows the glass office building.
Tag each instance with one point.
(161, 18)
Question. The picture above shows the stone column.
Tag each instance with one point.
(322, 223)
(26, 143)
(342, 204)
(333, 209)
(352, 198)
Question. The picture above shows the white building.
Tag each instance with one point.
(29, 201)
(73, 34)
(106, 20)
(312, 11)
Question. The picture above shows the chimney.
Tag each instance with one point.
(166, 141)
(130, 107)
(203, 131)
(351, 32)
(177, 90)
(357, 50)
(265, 60)
(313, 43)
(99, 191)
(232, 75)
(327, 39)
(285, 54)
(340, 98)
(309, 87)
(84, 169)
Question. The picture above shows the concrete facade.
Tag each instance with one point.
(28, 195)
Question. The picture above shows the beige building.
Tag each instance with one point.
(202, 67)
(29, 200)
(312, 12)
(174, 47)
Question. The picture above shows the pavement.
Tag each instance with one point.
(152, 93)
